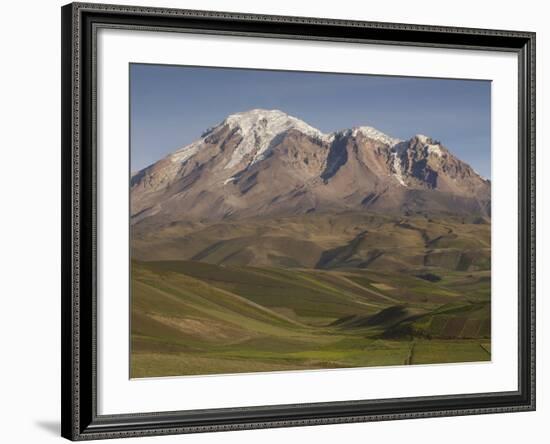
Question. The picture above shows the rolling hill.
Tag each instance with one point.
(195, 318)
(323, 241)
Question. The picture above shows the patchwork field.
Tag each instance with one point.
(213, 314)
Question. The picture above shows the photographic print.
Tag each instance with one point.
(286, 220)
(342, 208)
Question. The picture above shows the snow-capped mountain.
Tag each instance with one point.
(265, 162)
(258, 129)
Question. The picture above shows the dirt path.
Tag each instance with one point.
(262, 308)
(355, 298)
(246, 301)
(409, 359)
(368, 290)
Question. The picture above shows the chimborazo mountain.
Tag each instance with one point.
(263, 188)
(266, 245)
(267, 163)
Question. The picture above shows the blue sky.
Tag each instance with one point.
(170, 106)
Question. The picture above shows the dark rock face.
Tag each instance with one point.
(337, 156)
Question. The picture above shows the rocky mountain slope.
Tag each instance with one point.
(267, 163)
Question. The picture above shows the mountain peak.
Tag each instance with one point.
(258, 128)
(422, 138)
(430, 145)
(273, 120)
(373, 133)
(267, 162)
(255, 114)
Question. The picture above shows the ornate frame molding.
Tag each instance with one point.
(80, 21)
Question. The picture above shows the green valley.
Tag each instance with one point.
(424, 297)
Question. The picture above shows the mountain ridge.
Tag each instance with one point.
(263, 162)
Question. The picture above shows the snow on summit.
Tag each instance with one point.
(258, 128)
(373, 133)
(213, 174)
(433, 148)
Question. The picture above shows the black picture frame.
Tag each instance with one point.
(80, 22)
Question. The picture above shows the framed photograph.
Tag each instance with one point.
(282, 221)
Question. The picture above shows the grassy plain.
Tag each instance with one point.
(309, 292)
